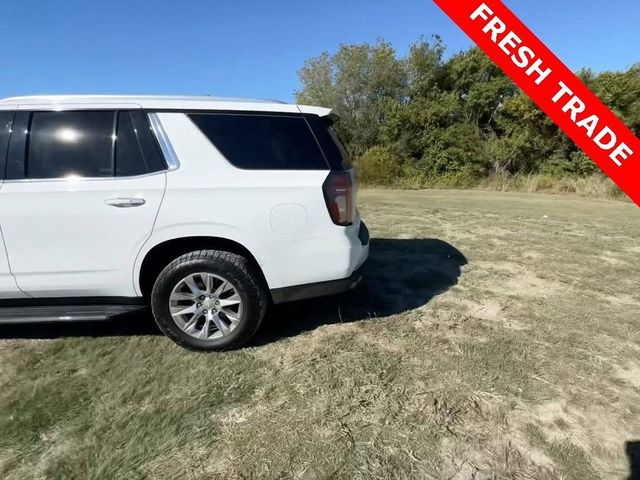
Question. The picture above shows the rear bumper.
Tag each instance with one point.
(331, 287)
(312, 290)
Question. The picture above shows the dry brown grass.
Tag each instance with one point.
(594, 186)
(496, 336)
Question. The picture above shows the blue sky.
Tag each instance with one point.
(255, 48)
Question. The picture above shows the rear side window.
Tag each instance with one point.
(146, 141)
(128, 155)
(70, 143)
(263, 142)
(84, 143)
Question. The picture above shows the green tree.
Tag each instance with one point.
(360, 82)
(425, 117)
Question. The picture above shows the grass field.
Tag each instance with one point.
(496, 336)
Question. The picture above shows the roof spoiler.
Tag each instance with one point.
(333, 117)
(320, 111)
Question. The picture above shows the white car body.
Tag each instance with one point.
(71, 237)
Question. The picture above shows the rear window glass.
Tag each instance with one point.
(263, 142)
(331, 145)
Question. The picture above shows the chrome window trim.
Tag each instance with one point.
(73, 179)
(163, 141)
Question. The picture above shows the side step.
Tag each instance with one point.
(62, 313)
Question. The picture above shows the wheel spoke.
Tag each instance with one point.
(183, 296)
(233, 317)
(224, 286)
(191, 283)
(184, 311)
(189, 325)
(208, 282)
(222, 327)
(232, 300)
(205, 327)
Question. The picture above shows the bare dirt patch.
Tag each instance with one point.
(493, 312)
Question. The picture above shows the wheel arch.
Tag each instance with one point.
(162, 253)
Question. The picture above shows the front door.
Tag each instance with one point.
(80, 199)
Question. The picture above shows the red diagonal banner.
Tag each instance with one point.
(553, 86)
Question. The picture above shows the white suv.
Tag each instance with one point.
(207, 209)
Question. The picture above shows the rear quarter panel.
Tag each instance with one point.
(280, 216)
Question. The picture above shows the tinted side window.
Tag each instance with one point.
(70, 143)
(6, 120)
(331, 145)
(146, 139)
(263, 142)
(129, 158)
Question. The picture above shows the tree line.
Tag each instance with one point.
(424, 118)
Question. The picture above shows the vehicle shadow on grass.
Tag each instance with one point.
(400, 275)
(632, 450)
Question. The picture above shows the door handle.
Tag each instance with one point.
(125, 202)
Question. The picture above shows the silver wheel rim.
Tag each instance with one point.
(205, 306)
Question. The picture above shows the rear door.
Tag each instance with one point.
(81, 194)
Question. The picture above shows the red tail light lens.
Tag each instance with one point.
(340, 194)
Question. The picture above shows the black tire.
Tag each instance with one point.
(237, 270)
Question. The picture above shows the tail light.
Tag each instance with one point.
(340, 194)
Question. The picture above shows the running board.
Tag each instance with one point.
(63, 313)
